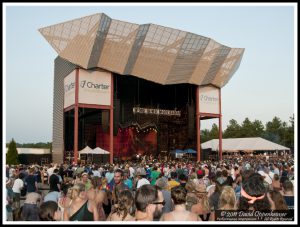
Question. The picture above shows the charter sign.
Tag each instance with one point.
(209, 100)
(94, 87)
(69, 90)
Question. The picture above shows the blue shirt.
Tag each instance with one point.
(128, 182)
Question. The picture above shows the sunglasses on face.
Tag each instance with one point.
(162, 203)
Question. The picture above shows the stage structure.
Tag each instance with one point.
(134, 89)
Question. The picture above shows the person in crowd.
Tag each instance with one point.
(288, 194)
(149, 202)
(80, 169)
(277, 201)
(127, 180)
(54, 181)
(182, 180)
(180, 213)
(105, 188)
(191, 197)
(86, 181)
(96, 172)
(215, 196)
(212, 184)
(38, 174)
(162, 183)
(202, 208)
(80, 208)
(78, 179)
(44, 175)
(64, 199)
(253, 194)
(228, 182)
(237, 185)
(154, 175)
(104, 184)
(227, 200)
(31, 181)
(141, 178)
(223, 177)
(30, 210)
(123, 208)
(173, 183)
(17, 186)
(117, 185)
(52, 196)
(276, 183)
(99, 196)
(50, 211)
(284, 175)
(9, 200)
(110, 174)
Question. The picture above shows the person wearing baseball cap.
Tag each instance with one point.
(141, 174)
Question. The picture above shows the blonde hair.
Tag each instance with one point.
(104, 182)
(227, 198)
(203, 200)
(76, 190)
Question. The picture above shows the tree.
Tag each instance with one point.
(290, 134)
(214, 132)
(233, 130)
(205, 135)
(274, 130)
(258, 128)
(12, 154)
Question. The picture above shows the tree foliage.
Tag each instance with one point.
(47, 145)
(276, 131)
(233, 130)
(12, 154)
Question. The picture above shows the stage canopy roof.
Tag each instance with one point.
(243, 144)
(156, 53)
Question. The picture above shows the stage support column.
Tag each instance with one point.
(76, 116)
(111, 122)
(198, 124)
(220, 126)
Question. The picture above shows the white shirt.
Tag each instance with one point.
(268, 177)
(18, 184)
(276, 171)
(50, 171)
(142, 182)
(131, 170)
(96, 173)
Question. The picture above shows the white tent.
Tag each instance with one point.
(86, 150)
(243, 144)
(32, 151)
(99, 150)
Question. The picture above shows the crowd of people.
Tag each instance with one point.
(149, 190)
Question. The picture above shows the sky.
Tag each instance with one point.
(263, 87)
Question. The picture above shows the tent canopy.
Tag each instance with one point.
(86, 150)
(32, 151)
(190, 151)
(98, 150)
(177, 151)
(243, 144)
